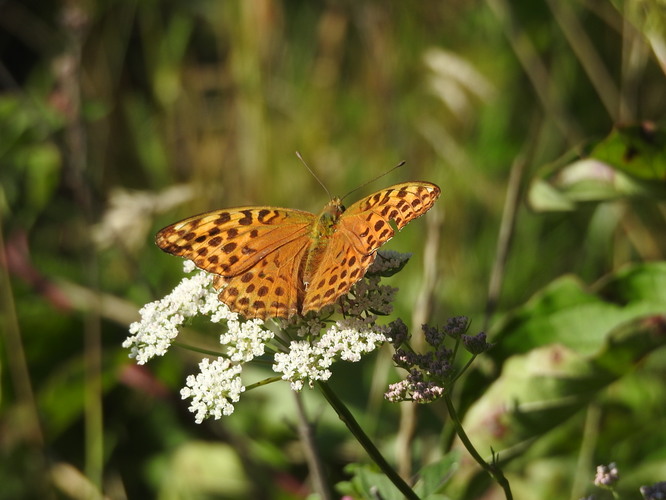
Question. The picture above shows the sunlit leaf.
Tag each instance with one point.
(567, 313)
(638, 150)
(539, 390)
(630, 161)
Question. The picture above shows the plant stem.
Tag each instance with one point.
(492, 469)
(265, 381)
(199, 350)
(464, 368)
(315, 465)
(345, 415)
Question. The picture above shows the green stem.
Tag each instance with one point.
(345, 415)
(464, 368)
(200, 350)
(455, 348)
(216, 354)
(494, 471)
(265, 381)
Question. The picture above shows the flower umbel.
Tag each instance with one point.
(160, 320)
(656, 491)
(304, 348)
(430, 374)
(476, 344)
(347, 339)
(607, 475)
(214, 389)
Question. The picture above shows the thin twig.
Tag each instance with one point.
(587, 56)
(311, 453)
(586, 451)
(508, 224)
(75, 22)
(16, 360)
(494, 471)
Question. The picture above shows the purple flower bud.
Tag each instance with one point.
(476, 344)
(432, 335)
(656, 491)
(405, 359)
(398, 332)
(426, 392)
(456, 326)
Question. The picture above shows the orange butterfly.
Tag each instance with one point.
(278, 262)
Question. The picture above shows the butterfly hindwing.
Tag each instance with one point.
(272, 288)
(341, 265)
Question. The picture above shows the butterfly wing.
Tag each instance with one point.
(401, 203)
(361, 230)
(256, 251)
(273, 288)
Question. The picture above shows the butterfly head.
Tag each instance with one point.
(333, 209)
(328, 217)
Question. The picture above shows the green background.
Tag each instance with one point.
(120, 117)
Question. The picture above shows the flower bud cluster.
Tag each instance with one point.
(429, 374)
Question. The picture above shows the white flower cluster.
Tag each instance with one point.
(214, 389)
(245, 340)
(306, 355)
(347, 339)
(160, 320)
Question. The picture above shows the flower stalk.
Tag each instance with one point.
(494, 471)
(346, 416)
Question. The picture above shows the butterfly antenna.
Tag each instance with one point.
(373, 180)
(313, 174)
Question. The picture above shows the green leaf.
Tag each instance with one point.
(629, 162)
(638, 150)
(645, 283)
(433, 476)
(568, 314)
(539, 390)
(366, 482)
(559, 350)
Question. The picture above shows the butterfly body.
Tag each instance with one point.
(322, 231)
(278, 262)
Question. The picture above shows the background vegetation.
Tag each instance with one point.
(119, 117)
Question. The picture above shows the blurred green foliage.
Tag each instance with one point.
(105, 106)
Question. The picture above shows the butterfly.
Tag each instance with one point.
(279, 262)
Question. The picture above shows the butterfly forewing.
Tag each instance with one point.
(229, 242)
(361, 230)
(401, 203)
